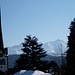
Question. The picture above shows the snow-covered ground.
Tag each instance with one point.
(31, 72)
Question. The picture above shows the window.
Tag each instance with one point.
(2, 61)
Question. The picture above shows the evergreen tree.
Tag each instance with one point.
(71, 50)
(32, 54)
(54, 68)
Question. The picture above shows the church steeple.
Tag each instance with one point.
(1, 38)
(3, 52)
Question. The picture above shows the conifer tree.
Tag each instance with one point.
(32, 54)
(71, 50)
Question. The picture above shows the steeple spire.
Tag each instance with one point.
(3, 52)
(1, 39)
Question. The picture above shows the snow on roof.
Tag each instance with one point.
(30, 72)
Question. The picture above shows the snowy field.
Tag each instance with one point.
(30, 72)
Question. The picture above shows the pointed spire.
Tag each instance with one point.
(1, 39)
(0, 12)
(0, 16)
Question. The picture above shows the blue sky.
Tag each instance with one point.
(48, 20)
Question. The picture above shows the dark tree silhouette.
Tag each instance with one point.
(54, 68)
(32, 54)
(71, 50)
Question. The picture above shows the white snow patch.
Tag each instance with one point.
(31, 72)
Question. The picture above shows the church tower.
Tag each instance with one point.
(3, 52)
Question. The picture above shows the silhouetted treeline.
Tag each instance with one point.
(71, 50)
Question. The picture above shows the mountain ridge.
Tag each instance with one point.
(53, 48)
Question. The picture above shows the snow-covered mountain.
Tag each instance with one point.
(57, 47)
(53, 48)
(15, 49)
